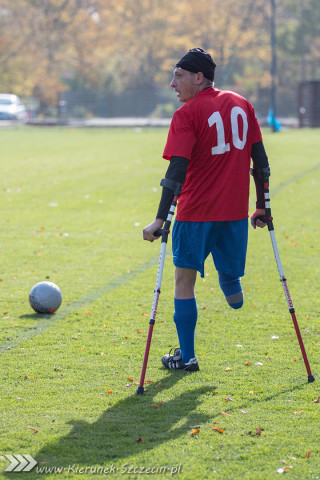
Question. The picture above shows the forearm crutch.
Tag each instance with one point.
(164, 232)
(281, 272)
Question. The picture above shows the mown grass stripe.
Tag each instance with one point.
(48, 320)
(45, 321)
(291, 180)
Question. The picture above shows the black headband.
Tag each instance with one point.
(197, 60)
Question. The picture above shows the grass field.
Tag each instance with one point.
(73, 205)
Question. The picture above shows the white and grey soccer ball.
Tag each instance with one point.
(45, 297)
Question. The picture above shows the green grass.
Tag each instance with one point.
(73, 204)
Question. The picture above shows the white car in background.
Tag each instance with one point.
(11, 107)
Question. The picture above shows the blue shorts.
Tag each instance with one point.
(227, 242)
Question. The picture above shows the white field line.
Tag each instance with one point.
(45, 321)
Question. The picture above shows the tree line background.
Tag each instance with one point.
(47, 46)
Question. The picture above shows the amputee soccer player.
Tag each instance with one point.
(211, 141)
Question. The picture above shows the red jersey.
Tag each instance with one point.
(215, 131)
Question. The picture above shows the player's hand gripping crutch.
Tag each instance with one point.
(164, 232)
(283, 279)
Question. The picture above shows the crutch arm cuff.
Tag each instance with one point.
(172, 185)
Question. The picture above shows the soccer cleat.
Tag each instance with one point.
(174, 362)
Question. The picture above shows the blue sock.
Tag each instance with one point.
(185, 318)
(231, 287)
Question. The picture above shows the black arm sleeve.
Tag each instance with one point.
(260, 160)
(177, 171)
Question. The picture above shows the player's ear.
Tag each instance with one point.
(199, 78)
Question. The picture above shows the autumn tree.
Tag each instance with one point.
(49, 45)
(43, 41)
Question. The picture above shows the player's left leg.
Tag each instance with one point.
(187, 258)
(185, 311)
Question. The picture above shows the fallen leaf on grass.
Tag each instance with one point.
(195, 431)
(228, 369)
(308, 453)
(34, 429)
(294, 244)
(148, 381)
(228, 399)
(317, 400)
(258, 431)
(283, 470)
(156, 406)
(225, 413)
(220, 430)
(298, 413)
(248, 363)
(139, 440)
(139, 331)
(31, 378)
(109, 391)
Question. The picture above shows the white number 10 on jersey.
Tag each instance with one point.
(222, 146)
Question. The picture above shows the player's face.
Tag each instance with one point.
(184, 83)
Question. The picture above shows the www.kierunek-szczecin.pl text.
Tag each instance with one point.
(112, 469)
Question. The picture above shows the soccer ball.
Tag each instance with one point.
(45, 297)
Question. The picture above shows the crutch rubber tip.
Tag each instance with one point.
(311, 378)
(140, 390)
